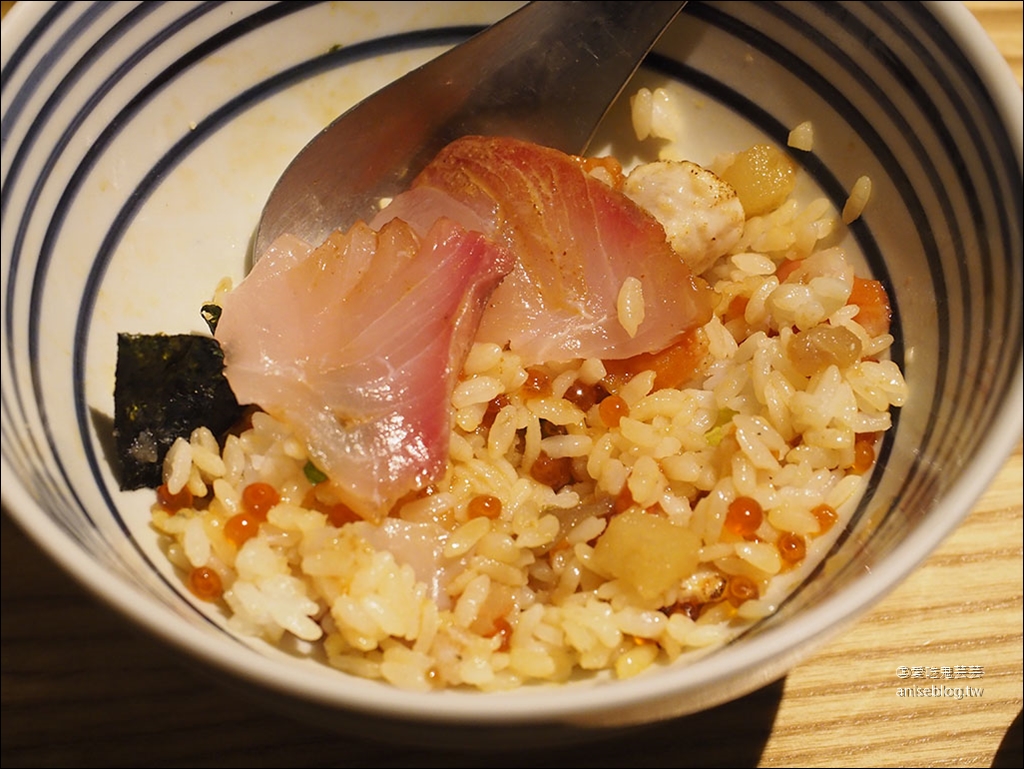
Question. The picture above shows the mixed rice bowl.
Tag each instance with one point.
(590, 519)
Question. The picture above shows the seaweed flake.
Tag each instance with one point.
(165, 387)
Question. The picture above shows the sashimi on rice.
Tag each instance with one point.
(538, 420)
(577, 241)
(357, 343)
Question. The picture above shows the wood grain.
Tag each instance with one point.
(80, 687)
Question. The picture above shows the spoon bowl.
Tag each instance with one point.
(546, 73)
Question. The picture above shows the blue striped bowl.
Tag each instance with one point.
(140, 141)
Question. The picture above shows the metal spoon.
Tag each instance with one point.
(546, 73)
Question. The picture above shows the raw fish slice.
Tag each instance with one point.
(576, 241)
(420, 545)
(357, 344)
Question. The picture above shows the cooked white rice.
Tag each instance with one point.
(857, 200)
(495, 579)
(802, 137)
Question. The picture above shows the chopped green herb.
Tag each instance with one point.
(715, 434)
(313, 473)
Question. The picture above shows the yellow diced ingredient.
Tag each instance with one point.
(647, 552)
(763, 178)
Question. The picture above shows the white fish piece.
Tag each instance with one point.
(702, 215)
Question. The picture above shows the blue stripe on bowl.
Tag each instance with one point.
(203, 130)
(119, 32)
(976, 115)
(857, 51)
(53, 486)
(20, 55)
(189, 143)
(812, 164)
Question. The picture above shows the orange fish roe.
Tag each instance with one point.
(205, 583)
(827, 517)
(863, 453)
(786, 268)
(559, 546)
(744, 516)
(484, 505)
(495, 405)
(624, 499)
(552, 471)
(259, 497)
(503, 630)
(689, 608)
(875, 309)
(242, 527)
(172, 503)
(339, 514)
(740, 588)
(737, 307)
(792, 547)
(612, 410)
(582, 395)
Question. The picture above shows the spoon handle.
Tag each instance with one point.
(547, 73)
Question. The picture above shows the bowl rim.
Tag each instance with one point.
(533, 704)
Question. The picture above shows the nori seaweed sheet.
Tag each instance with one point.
(166, 386)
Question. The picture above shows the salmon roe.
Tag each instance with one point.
(551, 471)
(259, 497)
(744, 516)
(736, 309)
(484, 506)
(827, 517)
(503, 629)
(740, 588)
(612, 410)
(582, 395)
(623, 500)
(863, 454)
(339, 514)
(242, 527)
(792, 547)
(205, 583)
(172, 503)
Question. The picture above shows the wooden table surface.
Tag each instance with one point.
(82, 688)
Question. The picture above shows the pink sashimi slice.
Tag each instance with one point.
(420, 545)
(576, 241)
(357, 344)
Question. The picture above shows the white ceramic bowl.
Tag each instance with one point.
(141, 140)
